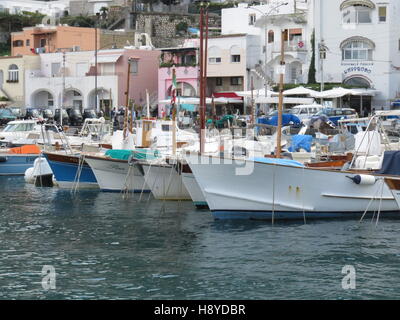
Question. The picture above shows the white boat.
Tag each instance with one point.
(284, 189)
(20, 130)
(117, 175)
(165, 180)
(194, 190)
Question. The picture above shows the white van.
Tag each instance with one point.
(306, 111)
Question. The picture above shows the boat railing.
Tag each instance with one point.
(57, 135)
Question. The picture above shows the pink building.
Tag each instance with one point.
(185, 61)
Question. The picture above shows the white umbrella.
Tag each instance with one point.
(299, 91)
(340, 92)
(333, 93)
(363, 92)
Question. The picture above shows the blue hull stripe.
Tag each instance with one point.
(66, 172)
(134, 191)
(280, 215)
(16, 165)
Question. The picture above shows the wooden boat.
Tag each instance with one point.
(71, 169)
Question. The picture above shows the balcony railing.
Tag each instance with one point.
(170, 64)
(290, 46)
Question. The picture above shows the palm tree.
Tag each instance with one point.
(103, 12)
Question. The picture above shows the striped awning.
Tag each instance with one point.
(349, 3)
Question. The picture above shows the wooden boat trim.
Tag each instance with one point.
(393, 184)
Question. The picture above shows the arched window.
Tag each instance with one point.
(13, 73)
(358, 82)
(235, 54)
(214, 55)
(271, 36)
(183, 90)
(357, 49)
(357, 11)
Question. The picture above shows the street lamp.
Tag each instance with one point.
(322, 56)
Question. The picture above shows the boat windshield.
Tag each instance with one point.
(14, 127)
(295, 111)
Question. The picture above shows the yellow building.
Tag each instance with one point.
(12, 78)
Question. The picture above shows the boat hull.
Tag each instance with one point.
(285, 192)
(194, 190)
(65, 169)
(112, 175)
(16, 164)
(165, 182)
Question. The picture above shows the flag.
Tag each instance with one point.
(174, 87)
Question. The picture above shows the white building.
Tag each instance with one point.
(69, 80)
(266, 22)
(230, 59)
(362, 38)
(48, 8)
(44, 87)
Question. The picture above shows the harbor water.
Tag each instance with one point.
(105, 247)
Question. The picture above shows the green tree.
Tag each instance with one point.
(79, 21)
(312, 71)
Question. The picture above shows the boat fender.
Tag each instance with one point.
(3, 159)
(363, 179)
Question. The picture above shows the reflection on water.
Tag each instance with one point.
(104, 246)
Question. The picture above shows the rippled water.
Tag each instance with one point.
(104, 247)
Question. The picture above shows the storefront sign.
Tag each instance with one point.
(357, 69)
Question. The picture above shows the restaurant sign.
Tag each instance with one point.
(357, 67)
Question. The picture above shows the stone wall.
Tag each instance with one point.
(119, 39)
(162, 26)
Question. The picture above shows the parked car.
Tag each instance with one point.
(6, 115)
(48, 114)
(89, 113)
(65, 117)
(335, 114)
(306, 111)
(33, 113)
(75, 117)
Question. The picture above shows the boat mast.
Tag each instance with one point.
(173, 104)
(280, 105)
(148, 104)
(203, 70)
(253, 114)
(201, 84)
(127, 99)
